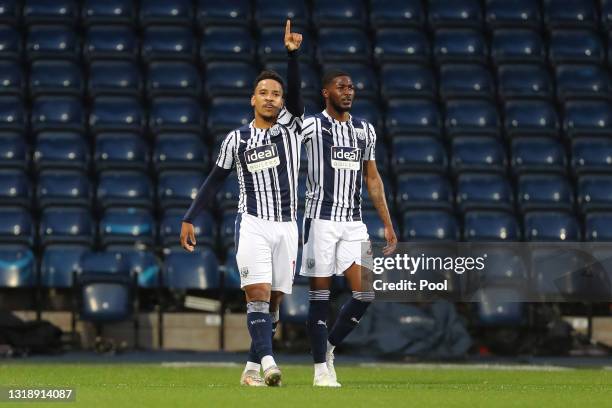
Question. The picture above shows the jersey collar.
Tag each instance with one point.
(332, 120)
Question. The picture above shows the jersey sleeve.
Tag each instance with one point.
(308, 129)
(227, 152)
(370, 150)
(291, 122)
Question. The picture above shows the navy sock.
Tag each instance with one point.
(317, 323)
(259, 323)
(349, 316)
(253, 357)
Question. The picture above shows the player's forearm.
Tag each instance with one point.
(206, 192)
(294, 101)
(376, 191)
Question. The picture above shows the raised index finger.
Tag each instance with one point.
(288, 28)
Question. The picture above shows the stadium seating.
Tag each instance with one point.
(400, 13)
(229, 79)
(165, 12)
(418, 153)
(530, 154)
(551, 226)
(61, 150)
(178, 188)
(55, 76)
(120, 150)
(518, 45)
(12, 79)
(173, 78)
(114, 77)
(127, 226)
(168, 42)
(419, 190)
(478, 153)
(170, 228)
(15, 188)
(41, 11)
(484, 191)
(405, 80)
(63, 188)
(591, 154)
(518, 13)
(184, 271)
(491, 225)
(544, 191)
(270, 12)
(14, 151)
(582, 81)
(108, 11)
(57, 112)
(180, 150)
(401, 45)
(110, 113)
(234, 12)
(65, 225)
(52, 41)
(124, 187)
(227, 43)
(465, 80)
(110, 41)
(524, 81)
(429, 225)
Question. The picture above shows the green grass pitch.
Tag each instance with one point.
(153, 385)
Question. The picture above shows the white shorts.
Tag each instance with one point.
(331, 247)
(266, 252)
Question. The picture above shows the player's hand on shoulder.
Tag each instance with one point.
(391, 239)
(188, 240)
(292, 40)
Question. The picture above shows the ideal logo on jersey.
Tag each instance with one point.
(261, 157)
(345, 158)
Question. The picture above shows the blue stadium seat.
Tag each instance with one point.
(570, 13)
(311, 83)
(606, 14)
(229, 193)
(418, 153)
(477, 153)
(168, 42)
(227, 43)
(343, 44)
(587, 117)
(173, 78)
(459, 45)
(413, 116)
(109, 113)
(61, 150)
(225, 114)
(14, 151)
(110, 41)
(399, 13)
(471, 116)
(594, 192)
(400, 80)
(52, 41)
(517, 45)
(170, 228)
(537, 154)
(580, 46)
(143, 263)
(12, 114)
(229, 79)
(544, 191)
(178, 188)
(294, 307)
(44, 11)
(592, 154)
(165, 12)
(269, 48)
(121, 225)
(429, 225)
(124, 187)
(16, 226)
(375, 226)
(10, 42)
(483, 225)
(366, 202)
(270, 12)
(198, 270)
(366, 109)
(516, 13)
(64, 225)
(401, 45)
(178, 113)
(550, 226)
(10, 11)
(63, 188)
(458, 13)
(17, 267)
(598, 226)
(339, 13)
(180, 150)
(12, 78)
(500, 308)
(484, 191)
(524, 81)
(57, 113)
(58, 264)
(114, 77)
(231, 12)
(582, 81)
(108, 11)
(121, 150)
(15, 188)
(530, 117)
(423, 190)
(465, 80)
(55, 76)
(227, 229)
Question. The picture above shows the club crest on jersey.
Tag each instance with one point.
(310, 263)
(361, 135)
(345, 158)
(244, 272)
(261, 158)
(275, 130)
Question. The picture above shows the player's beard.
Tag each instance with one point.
(339, 108)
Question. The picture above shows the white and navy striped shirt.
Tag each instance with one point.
(336, 151)
(267, 163)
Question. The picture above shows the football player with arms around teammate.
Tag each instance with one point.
(266, 156)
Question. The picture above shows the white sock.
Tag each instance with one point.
(267, 362)
(320, 369)
(330, 347)
(252, 366)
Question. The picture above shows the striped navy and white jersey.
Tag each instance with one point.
(267, 163)
(336, 151)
